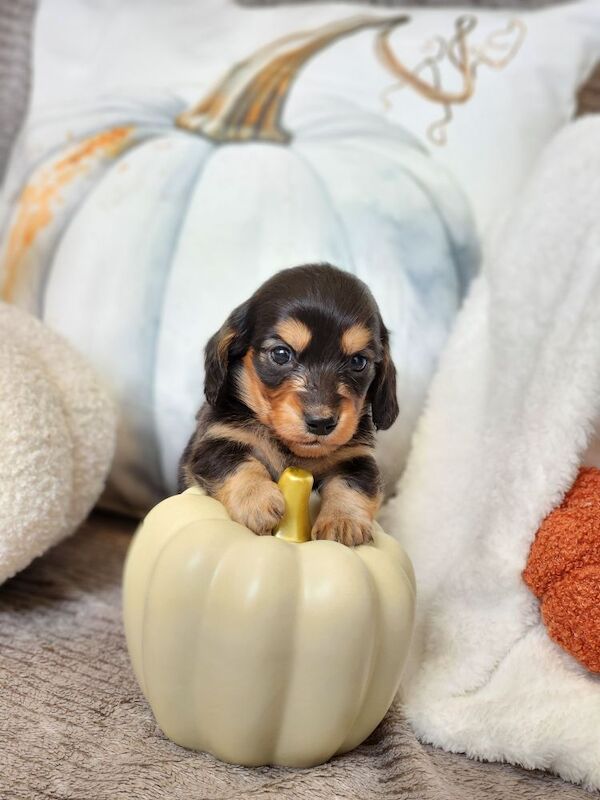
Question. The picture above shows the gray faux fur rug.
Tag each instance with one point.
(74, 725)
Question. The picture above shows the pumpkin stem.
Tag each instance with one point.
(464, 26)
(248, 102)
(296, 485)
(496, 52)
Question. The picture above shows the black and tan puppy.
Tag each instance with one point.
(299, 375)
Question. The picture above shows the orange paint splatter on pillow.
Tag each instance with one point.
(42, 194)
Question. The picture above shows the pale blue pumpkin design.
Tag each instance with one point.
(137, 238)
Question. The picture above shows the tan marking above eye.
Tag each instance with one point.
(294, 332)
(355, 338)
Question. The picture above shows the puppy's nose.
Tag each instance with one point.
(321, 425)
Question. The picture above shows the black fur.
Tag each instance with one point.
(360, 473)
(217, 360)
(214, 459)
(382, 392)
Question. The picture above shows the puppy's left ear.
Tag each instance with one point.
(382, 392)
(229, 342)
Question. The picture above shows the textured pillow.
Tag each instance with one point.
(494, 138)
(563, 570)
(141, 203)
(57, 435)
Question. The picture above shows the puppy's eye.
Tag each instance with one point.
(358, 363)
(281, 355)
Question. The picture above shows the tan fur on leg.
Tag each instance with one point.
(346, 514)
(251, 498)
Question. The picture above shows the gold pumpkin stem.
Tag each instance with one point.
(248, 102)
(296, 485)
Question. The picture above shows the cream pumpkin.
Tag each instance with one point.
(259, 649)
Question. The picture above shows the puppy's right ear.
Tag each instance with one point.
(230, 341)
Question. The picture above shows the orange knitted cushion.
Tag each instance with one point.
(563, 570)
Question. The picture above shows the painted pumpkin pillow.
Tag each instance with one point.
(156, 186)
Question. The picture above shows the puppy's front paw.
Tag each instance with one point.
(259, 506)
(344, 528)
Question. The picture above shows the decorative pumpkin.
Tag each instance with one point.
(136, 238)
(259, 649)
(563, 570)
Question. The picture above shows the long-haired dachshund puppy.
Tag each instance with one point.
(298, 375)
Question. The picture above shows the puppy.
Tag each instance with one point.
(298, 375)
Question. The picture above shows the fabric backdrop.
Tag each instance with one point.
(138, 284)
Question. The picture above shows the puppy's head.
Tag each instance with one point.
(306, 353)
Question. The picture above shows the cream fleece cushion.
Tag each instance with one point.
(57, 438)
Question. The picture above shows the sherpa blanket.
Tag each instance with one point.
(57, 439)
(510, 414)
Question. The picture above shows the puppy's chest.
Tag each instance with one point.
(276, 461)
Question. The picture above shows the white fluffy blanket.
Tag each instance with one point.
(511, 412)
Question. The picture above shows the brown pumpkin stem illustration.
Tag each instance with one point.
(497, 51)
(248, 102)
(464, 25)
(497, 43)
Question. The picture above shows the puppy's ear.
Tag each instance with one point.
(382, 392)
(230, 341)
